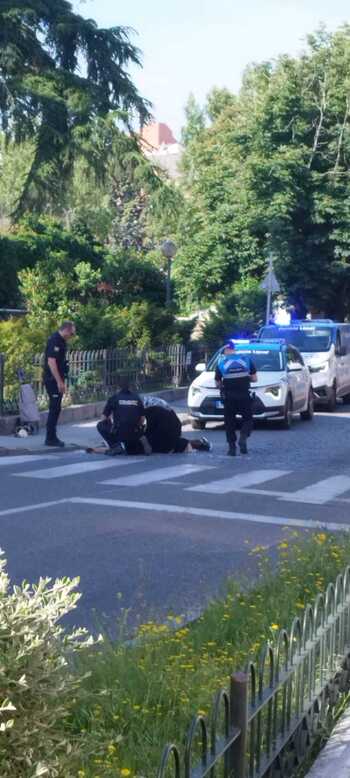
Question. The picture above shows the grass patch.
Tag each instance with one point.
(139, 697)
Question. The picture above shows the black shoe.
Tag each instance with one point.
(55, 443)
(116, 450)
(205, 445)
(232, 451)
(243, 446)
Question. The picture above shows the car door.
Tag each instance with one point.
(304, 380)
(342, 358)
(296, 377)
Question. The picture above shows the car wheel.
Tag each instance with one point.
(198, 424)
(288, 414)
(332, 399)
(309, 413)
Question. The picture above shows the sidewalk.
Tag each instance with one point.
(77, 435)
(334, 758)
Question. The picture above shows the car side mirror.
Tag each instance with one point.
(200, 367)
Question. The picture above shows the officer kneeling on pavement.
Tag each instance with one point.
(123, 422)
(233, 376)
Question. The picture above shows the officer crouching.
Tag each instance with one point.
(233, 376)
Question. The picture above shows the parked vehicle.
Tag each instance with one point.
(283, 388)
(325, 348)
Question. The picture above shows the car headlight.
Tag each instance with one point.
(274, 390)
(318, 368)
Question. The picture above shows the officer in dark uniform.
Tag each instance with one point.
(164, 434)
(122, 423)
(55, 373)
(233, 376)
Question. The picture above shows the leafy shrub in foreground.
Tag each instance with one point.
(37, 684)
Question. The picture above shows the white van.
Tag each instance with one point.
(325, 348)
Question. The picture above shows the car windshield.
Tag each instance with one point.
(306, 339)
(264, 360)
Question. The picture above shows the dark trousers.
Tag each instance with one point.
(130, 438)
(234, 405)
(164, 431)
(55, 402)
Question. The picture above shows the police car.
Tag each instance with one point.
(283, 388)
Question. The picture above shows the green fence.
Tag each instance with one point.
(265, 725)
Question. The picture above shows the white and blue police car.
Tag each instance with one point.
(283, 388)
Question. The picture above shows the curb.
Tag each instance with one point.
(4, 451)
(334, 758)
(87, 411)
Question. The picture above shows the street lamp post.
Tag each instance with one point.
(168, 249)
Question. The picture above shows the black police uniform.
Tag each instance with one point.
(127, 409)
(56, 348)
(164, 430)
(233, 373)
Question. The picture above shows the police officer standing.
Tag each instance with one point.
(233, 375)
(55, 372)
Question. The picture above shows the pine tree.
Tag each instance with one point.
(58, 71)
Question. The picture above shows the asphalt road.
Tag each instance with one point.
(160, 534)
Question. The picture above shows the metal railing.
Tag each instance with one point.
(268, 721)
(94, 375)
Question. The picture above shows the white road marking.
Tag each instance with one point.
(79, 467)
(25, 458)
(238, 482)
(154, 476)
(205, 513)
(320, 492)
(25, 508)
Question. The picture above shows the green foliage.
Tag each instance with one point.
(19, 343)
(155, 685)
(15, 163)
(273, 163)
(120, 195)
(57, 72)
(37, 684)
(238, 312)
(116, 298)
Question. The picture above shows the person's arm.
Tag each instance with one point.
(107, 411)
(52, 363)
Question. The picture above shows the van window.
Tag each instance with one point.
(308, 338)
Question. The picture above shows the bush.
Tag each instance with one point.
(37, 685)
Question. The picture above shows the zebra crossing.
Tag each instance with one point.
(199, 476)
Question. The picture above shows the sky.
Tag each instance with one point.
(193, 45)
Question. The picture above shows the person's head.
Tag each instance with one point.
(229, 348)
(67, 330)
(124, 383)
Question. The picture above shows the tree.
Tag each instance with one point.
(121, 196)
(274, 161)
(58, 71)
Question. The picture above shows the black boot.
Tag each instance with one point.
(231, 451)
(55, 443)
(243, 445)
